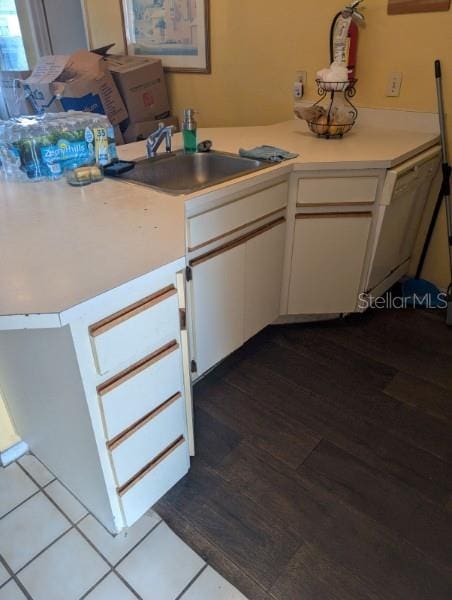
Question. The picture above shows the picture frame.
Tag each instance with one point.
(176, 31)
(401, 7)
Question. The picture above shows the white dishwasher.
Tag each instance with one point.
(402, 203)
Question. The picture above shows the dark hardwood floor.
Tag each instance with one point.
(323, 467)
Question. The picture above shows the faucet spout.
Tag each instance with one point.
(156, 138)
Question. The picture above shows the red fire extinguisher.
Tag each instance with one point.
(353, 36)
(344, 36)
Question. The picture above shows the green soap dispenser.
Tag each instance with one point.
(189, 131)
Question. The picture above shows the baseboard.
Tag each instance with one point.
(294, 319)
(13, 453)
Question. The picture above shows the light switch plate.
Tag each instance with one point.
(394, 84)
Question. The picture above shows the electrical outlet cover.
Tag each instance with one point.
(302, 76)
(394, 84)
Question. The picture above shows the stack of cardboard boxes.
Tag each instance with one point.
(130, 90)
(141, 83)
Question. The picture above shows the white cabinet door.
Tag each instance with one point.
(328, 259)
(218, 305)
(264, 268)
(427, 175)
(401, 220)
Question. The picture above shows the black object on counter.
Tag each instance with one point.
(118, 168)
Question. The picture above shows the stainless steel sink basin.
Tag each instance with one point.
(180, 173)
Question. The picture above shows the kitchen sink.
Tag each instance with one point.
(179, 173)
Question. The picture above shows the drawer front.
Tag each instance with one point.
(141, 493)
(135, 331)
(148, 438)
(228, 219)
(134, 393)
(337, 191)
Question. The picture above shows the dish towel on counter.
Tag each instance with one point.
(270, 153)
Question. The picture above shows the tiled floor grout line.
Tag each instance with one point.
(126, 583)
(57, 539)
(14, 578)
(21, 503)
(215, 545)
(93, 587)
(113, 567)
(74, 525)
(42, 488)
(192, 581)
(142, 540)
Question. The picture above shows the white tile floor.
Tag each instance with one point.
(52, 548)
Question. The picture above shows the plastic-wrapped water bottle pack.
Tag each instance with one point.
(38, 148)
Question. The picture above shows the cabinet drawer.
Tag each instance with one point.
(131, 451)
(337, 191)
(134, 331)
(149, 485)
(134, 393)
(232, 217)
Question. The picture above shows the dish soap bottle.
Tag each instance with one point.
(189, 131)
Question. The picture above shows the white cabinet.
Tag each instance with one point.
(218, 305)
(103, 399)
(337, 190)
(235, 292)
(328, 259)
(238, 214)
(406, 191)
(263, 279)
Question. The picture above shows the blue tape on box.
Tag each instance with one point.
(89, 103)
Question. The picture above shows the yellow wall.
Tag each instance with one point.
(104, 23)
(256, 51)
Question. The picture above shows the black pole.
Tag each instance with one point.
(444, 192)
(432, 226)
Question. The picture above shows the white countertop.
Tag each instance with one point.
(60, 245)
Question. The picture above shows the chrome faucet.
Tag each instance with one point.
(156, 138)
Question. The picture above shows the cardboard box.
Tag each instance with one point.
(136, 132)
(13, 95)
(141, 82)
(77, 82)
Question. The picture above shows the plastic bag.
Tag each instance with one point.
(42, 148)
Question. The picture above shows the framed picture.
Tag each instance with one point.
(399, 7)
(176, 31)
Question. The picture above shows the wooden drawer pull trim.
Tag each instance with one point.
(127, 433)
(332, 215)
(317, 204)
(150, 466)
(136, 368)
(238, 242)
(131, 311)
(232, 231)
